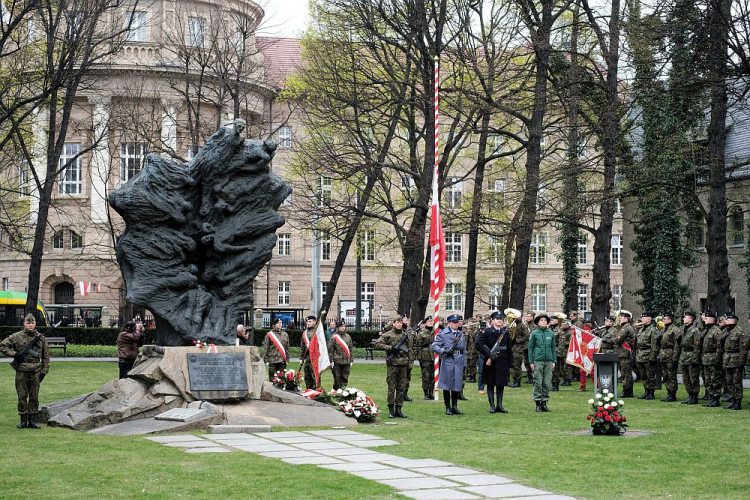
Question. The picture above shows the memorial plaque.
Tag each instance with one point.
(217, 372)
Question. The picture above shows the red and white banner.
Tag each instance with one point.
(319, 352)
(583, 345)
(437, 239)
(86, 287)
(343, 345)
(278, 344)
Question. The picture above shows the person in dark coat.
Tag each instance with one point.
(450, 344)
(495, 371)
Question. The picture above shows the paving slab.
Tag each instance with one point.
(371, 457)
(421, 483)
(288, 454)
(505, 491)
(284, 434)
(375, 443)
(231, 429)
(302, 439)
(312, 460)
(264, 448)
(412, 463)
(335, 432)
(348, 467)
(279, 415)
(245, 442)
(344, 452)
(191, 444)
(231, 435)
(543, 497)
(437, 494)
(212, 449)
(354, 436)
(479, 479)
(173, 439)
(328, 445)
(446, 471)
(389, 474)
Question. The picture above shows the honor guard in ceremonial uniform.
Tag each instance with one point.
(450, 344)
(397, 345)
(30, 354)
(529, 322)
(542, 360)
(276, 349)
(669, 355)
(412, 354)
(423, 344)
(646, 354)
(496, 346)
(304, 352)
(689, 339)
(711, 358)
(735, 356)
(626, 343)
(471, 331)
(519, 334)
(340, 351)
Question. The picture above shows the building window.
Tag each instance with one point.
(495, 250)
(617, 297)
(496, 142)
(284, 245)
(132, 156)
(453, 247)
(494, 294)
(325, 245)
(285, 293)
(58, 242)
(618, 206)
(453, 191)
(71, 169)
(699, 230)
(453, 297)
(135, 23)
(617, 249)
(6, 285)
(368, 292)
(737, 227)
(538, 250)
(498, 193)
(583, 297)
(583, 252)
(324, 288)
(285, 137)
(367, 245)
(325, 191)
(541, 199)
(196, 32)
(76, 240)
(23, 181)
(539, 297)
(75, 23)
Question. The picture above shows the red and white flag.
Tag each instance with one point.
(86, 287)
(583, 345)
(437, 246)
(319, 352)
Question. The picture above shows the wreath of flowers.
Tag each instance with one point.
(606, 415)
(287, 380)
(356, 404)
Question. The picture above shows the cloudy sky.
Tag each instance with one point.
(285, 18)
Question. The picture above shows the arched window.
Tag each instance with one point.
(65, 293)
(58, 242)
(736, 229)
(76, 240)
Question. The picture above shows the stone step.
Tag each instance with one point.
(232, 429)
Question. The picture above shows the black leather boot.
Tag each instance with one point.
(544, 407)
(726, 397)
(24, 421)
(671, 397)
(427, 396)
(32, 421)
(399, 413)
(448, 410)
(688, 400)
(566, 383)
(391, 414)
(627, 393)
(455, 396)
(406, 396)
(644, 395)
(651, 395)
(554, 388)
(538, 406)
(705, 397)
(462, 397)
(713, 402)
(528, 380)
(730, 406)
(693, 399)
(491, 399)
(500, 408)
(737, 404)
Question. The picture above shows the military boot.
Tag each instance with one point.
(399, 413)
(688, 400)
(554, 388)
(650, 395)
(406, 396)
(544, 407)
(500, 408)
(538, 406)
(565, 383)
(705, 397)
(32, 421)
(627, 393)
(671, 397)
(726, 397)
(713, 402)
(491, 399)
(693, 399)
(427, 396)
(461, 397)
(528, 380)
(390, 412)
(24, 421)
(644, 395)
(516, 382)
(730, 406)
(737, 404)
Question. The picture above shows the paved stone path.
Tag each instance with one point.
(352, 452)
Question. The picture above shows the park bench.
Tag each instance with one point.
(58, 343)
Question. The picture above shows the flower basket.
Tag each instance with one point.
(607, 417)
(287, 380)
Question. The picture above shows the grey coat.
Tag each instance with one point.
(451, 365)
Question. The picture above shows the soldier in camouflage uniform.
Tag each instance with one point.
(276, 359)
(608, 336)
(32, 367)
(412, 354)
(520, 347)
(711, 357)
(562, 342)
(304, 358)
(471, 331)
(735, 356)
(646, 353)
(554, 325)
(529, 327)
(426, 357)
(690, 339)
(626, 341)
(397, 362)
(572, 372)
(340, 350)
(669, 354)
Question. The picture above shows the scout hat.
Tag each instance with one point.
(540, 316)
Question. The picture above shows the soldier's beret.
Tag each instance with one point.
(397, 317)
(311, 317)
(540, 316)
(30, 317)
(690, 313)
(428, 318)
(497, 315)
(453, 318)
(340, 323)
(709, 313)
(646, 314)
(669, 315)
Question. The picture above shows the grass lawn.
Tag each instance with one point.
(695, 452)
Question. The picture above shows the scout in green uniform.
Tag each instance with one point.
(646, 353)
(29, 350)
(669, 354)
(711, 358)
(397, 345)
(735, 356)
(542, 360)
(626, 342)
(690, 340)
(426, 357)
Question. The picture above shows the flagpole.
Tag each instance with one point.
(435, 185)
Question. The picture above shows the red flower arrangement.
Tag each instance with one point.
(606, 415)
(287, 380)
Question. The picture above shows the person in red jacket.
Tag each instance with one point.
(128, 342)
